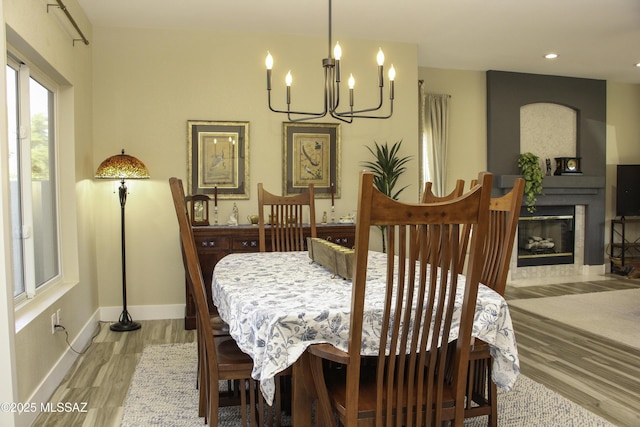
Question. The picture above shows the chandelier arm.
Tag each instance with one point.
(275, 110)
(358, 114)
(343, 119)
(303, 113)
(362, 116)
(303, 119)
(364, 110)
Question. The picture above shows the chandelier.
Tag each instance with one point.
(332, 78)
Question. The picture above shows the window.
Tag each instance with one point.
(32, 178)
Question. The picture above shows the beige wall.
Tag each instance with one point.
(149, 83)
(47, 43)
(467, 153)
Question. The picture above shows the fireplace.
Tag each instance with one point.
(507, 95)
(546, 236)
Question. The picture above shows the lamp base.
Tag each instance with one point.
(125, 324)
(125, 327)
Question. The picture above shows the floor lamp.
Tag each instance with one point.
(123, 167)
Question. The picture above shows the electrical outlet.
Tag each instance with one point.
(59, 316)
(53, 323)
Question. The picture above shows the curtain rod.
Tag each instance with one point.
(73, 22)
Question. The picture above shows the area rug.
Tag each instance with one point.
(163, 393)
(612, 314)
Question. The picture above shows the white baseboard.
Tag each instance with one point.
(144, 312)
(52, 380)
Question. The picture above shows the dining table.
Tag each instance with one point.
(279, 303)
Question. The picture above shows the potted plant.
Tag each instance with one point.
(387, 168)
(529, 165)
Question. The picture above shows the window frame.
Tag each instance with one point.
(27, 70)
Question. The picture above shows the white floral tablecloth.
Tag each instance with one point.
(279, 303)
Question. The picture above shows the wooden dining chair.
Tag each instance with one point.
(504, 213)
(222, 359)
(417, 382)
(285, 219)
(429, 197)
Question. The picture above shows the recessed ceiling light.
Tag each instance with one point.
(638, 64)
(551, 55)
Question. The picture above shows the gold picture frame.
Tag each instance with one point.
(311, 153)
(218, 158)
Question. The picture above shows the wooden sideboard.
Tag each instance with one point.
(215, 242)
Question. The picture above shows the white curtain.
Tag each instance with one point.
(434, 134)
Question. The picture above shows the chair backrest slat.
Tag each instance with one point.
(429, 197)
(285, 219)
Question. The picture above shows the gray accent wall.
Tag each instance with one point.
(506, 93)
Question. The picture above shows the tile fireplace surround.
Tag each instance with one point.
(578, 268)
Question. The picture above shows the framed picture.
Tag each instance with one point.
(218, 159)
(311, 156)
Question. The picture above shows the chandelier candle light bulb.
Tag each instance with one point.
(337, 52)
(392, 77)
(380, 59)
(337, 55)
(288, 79)
(352, 83)
(269, 63)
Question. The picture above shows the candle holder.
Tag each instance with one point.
(215, 215)
(333, 214)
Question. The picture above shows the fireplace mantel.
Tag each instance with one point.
(559, 185)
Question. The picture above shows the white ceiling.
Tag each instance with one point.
(596, 39)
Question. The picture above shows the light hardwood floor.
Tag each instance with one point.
(101, 376)
(599, 374)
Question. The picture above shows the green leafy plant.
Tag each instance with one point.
(529, 165)
(387, 169)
